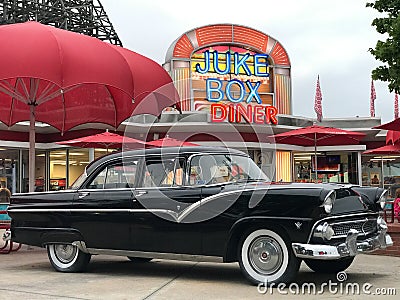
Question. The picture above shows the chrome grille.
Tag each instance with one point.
(364, 227)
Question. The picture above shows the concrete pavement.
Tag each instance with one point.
(27, 274)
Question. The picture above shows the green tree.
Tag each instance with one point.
(388, 52)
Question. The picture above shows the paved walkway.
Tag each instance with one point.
(27, 274)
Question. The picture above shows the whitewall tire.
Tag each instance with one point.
(67, 258)
(265, 257)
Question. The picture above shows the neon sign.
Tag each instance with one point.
(258, 114)
(234, 90)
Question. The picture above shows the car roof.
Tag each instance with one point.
(160, 151)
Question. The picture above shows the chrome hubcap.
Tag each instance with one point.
(65, 253)
(265, 255)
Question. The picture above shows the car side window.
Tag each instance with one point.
(98, 181)
(164, 173)
(179, 178)
(210, 169)
(120, 175)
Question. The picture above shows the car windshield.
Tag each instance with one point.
(220, 168)
(78, 182)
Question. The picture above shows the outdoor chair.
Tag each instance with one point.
(5, 224)
(388, 210)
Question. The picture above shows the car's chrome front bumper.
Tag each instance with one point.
(350, 247)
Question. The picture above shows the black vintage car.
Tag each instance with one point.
(200, 203)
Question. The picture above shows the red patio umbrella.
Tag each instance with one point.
(392, 145)
(104, 140)
(170, 142)
(317, 136)
(392, 137)
(393, 125)
(66, 79)
(384, 150)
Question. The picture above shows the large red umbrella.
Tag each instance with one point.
(66, 79)
(105, 140)
(147, 86)
(393, 125)
(392, 137)
(392, 145)
(384, 150)
(317, 136)
(170, 142)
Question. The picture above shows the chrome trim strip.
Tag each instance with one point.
(105, 190)
(203, 201)
(352, 221)
(158, 255)
(90, 210)
(45, 192)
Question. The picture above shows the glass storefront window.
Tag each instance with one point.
(58, 170)
(331, 167)
(40, 172)
(98, 152)
(382, 171)
(78, 160)
(9, 169)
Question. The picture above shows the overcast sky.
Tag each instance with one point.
(329, 38)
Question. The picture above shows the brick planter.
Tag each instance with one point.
(394, 231)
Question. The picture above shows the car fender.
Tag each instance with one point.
(295, 229)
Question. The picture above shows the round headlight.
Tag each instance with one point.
(382, 199)
(328, 201)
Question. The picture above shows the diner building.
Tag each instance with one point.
(235, 88)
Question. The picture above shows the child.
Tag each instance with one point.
(396, 205)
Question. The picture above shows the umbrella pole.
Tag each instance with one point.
(315, 157)
(382, 177)
(32, 142)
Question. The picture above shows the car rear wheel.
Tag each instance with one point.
(329, 266)
(67, 258)
(139, 259)
(264, 257)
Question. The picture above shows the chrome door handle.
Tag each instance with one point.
(83, 195)
(140, 193)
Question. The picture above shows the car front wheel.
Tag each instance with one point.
(329, 266)
(264, 257)
(67, 258)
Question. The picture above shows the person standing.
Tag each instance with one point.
(396, 205)
(5, 193)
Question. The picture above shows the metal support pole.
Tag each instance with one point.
(21, 174)
(382, 172)
(359, 168)
(315, 157)
(32, 143)
(91, 154)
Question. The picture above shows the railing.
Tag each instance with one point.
(5, 223)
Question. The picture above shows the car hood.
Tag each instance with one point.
(298, 195)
